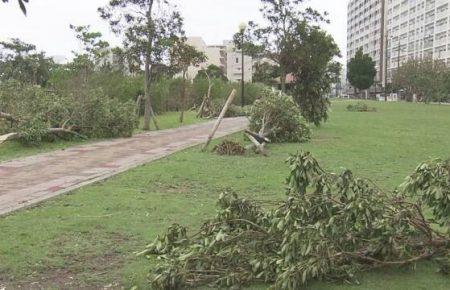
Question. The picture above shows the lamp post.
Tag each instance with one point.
(242, 28)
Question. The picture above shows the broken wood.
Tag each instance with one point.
(257, 146)
(206, 104)
(219, 120)
(9, 137)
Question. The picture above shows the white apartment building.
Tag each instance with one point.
(365, 29)
(393, 31)
(416, 29)
(224, 56)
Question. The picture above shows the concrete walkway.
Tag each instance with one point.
(27, 181)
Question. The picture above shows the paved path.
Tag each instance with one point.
(27, 181)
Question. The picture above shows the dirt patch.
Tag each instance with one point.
(97, 266)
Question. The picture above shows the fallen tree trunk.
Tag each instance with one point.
(9, 137)
(259, 143)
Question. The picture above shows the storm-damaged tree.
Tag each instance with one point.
(94, 50)
(149, 28)
(282, 18)
(182, 56)
(21, 62)
(314, 69)
(21, 4)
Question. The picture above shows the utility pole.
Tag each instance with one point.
(386, 67)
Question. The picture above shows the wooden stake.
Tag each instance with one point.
(219, 120)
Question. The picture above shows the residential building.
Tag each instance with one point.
(225, 56)
(393, 31)
(416, 29)
(365, 29)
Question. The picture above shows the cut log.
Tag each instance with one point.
(56, 131)
(219, 120)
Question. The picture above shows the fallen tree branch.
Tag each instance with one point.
(9, 137)
(55, 131)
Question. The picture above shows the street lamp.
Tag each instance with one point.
(242, 28)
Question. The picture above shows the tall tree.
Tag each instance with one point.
(149, 27)
(21, 4)
(21, 61)
(314, 69)
(182, 56)
(282, 18)
(361, 71)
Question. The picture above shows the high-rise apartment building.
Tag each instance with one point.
(393, 31)
(416, 29)
(365, 29)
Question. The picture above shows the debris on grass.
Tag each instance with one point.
(230, 148)
(330, 227)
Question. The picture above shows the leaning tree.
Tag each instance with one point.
(149, 28)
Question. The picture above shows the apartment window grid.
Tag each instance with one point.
(417, 29)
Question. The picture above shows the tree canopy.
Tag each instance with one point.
(149, 30)
(22, 62)
(361, 71)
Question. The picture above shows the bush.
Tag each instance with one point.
(360, 107)
(281, 114)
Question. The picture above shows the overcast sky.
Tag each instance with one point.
(47, 23)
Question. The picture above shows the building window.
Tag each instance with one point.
(237, 59)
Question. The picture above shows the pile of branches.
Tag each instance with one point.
(230, 148)
(33, 115)
(360, 107)
(331, 227)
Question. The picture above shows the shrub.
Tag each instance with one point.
(282, 118)
(360, 107)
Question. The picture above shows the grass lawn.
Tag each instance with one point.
(88, 238)
(12, 150)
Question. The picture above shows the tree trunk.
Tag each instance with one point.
(283, 79)
(183, 98)
(149, 113)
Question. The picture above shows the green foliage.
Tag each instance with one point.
(360, 107)
(213, 71)
(331, 227)
(314, 69)
(427, 78)
(85, 112)
(21, 61)
(431, 183)
(361, 71)
(282, 118)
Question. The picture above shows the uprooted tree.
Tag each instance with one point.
(331, 227)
